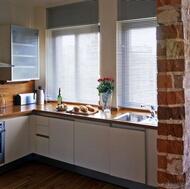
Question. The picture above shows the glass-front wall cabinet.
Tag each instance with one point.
(20, 49)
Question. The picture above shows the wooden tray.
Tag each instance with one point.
(82, 113)
(61, 109)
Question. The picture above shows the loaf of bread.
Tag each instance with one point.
(83, 108)
(65, 106)
(60, 106)
(76, 109)
(90, 108)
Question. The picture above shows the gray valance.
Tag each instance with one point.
(136, 9)
(75, 14)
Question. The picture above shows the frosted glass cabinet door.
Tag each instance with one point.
(19, 47)
(24, 53)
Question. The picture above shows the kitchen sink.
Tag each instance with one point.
(137, 117)
(134, 117)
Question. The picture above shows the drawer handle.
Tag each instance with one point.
(44, 136)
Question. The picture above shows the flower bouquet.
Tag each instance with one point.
(105, 89)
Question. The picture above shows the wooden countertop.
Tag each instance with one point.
(16, 110)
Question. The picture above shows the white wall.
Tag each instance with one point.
(17, 14)
(23, 15)
(107, 17)
(40, 24)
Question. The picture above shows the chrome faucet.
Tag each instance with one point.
(151, 109)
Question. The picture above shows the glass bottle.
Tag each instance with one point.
(59, 97)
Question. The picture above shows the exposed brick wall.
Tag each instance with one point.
(186, 84)
(173, 50)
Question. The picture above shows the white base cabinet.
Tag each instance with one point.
(32, 133)
(151, 142)
(61, 140)
(42, 136)
(122, 151)
(92, 145)
(127, 154)
(17, 137)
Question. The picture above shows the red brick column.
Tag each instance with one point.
(173, 143)
(186, 84)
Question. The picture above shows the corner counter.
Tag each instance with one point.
(16, 110)
(87, 143)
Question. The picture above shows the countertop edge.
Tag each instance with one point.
(14, 111)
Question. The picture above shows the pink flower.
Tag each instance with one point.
(105, 85)
(109, 79)
(99, 80)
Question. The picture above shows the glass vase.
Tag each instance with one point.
(106, 101)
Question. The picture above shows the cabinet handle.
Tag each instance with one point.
(44, 136)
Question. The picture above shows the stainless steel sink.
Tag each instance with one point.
(137, 117)
(134, 117)
(150, 121)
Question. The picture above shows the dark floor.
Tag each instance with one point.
(35, 175)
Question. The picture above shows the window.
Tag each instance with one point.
(73, 63)
(137, 64)
(73, 51)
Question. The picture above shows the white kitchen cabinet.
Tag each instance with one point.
(17, 137)
(61, 140)
(19, 47)
(32, 133)
(92, 145)
(127, 153)
(42, 136)
(151, 142)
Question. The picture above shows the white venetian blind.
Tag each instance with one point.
(72, 64)
(137, 65)
(73, 51)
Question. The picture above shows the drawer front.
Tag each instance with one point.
(41, 120)
(42, 130)
(42, 146)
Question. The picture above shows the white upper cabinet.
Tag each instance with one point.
(19, 47)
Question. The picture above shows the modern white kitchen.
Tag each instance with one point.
(99, 145)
